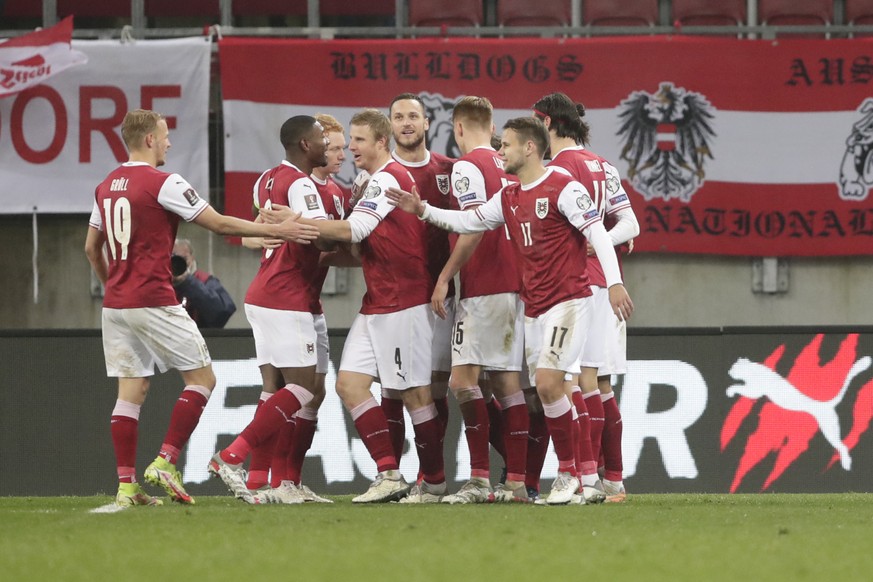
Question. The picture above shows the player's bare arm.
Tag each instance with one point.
(464, 248)
(94, 250)
(332, 230)
(290, 229)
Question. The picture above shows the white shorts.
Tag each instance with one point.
(555, 339)
(606, 347)
(284, 339)
(396, 348)
(489, 332)
(137, 340)
(322, 346)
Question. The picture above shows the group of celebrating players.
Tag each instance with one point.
(527, 345)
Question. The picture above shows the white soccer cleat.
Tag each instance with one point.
(388, 486)
(503, 494)
(473, 491)
(286, 493)
(310, 496)
(563, 488)
(425, 492)
(615, 492)
(589, 494)
(234, 477)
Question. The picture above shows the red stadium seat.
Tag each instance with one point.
(357, 8)
(442, 13)
(795, 12)
(269, 8)
(21, 9)
(202, 8)
(527, 13)
(859, 12)
(99, 9)
(620, 12)
(709, 12)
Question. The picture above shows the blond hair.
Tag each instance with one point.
(137, 125)
(476, 111)
(378, 123)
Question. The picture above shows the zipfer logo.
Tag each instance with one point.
(794, 409)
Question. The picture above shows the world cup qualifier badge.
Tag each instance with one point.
(666, 137)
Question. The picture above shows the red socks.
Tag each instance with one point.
(186, 415)
(124, 426)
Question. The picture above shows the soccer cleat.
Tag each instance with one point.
(286, 493)
(130, 494)
(162, 473)
(425, 492)
(310, 496)
(503, 494)
(234, 477)
(473, 491)
(563, 488)
(533, 494)
(615, 492)
(388, 486)
(589, 494)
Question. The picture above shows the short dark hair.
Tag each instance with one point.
(294, 129)
(408, 96)
(530, 128)
(566, 116)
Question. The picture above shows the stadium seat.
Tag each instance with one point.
(527, 13)
(442, 13)
(796, 13)
(858, 12)
(620, 12)
(357, 8)
(173, 8)
(709, 12)
(269, 8)
(21, 14)
(101, 9)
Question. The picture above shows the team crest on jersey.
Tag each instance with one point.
(856, 171)
(444, 184)
(667, 138)
(372, 191)
(310, 348)
(542, 208)
(462, 185)
(338, 204)
(311, 201)
(191, 196)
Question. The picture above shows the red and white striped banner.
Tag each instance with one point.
(728, 147)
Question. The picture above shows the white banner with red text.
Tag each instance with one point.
(727, 146)
(60, 138)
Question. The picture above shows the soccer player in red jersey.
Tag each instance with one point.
(431, 172)
(489, 325)
(135, 219)
(605, 352)
(550, 218)
(391, 338)
(281, 298)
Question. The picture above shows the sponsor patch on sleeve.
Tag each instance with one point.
(467, 197)
(368, 204)
(591, 214)
(618, 199)
(311, 201)
(191, 196)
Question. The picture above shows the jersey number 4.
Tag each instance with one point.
(117, 217)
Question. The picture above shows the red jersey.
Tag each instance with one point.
(608, 195)
(394, 254)
(492, 269)
(335, 201)
(286, 279)
(138, 207)
(432, 178)
(545, 220)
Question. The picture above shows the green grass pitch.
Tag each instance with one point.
(651, 537)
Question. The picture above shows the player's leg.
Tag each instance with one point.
(262, 456)
(428, 444)
(516, 425)
(358, 369)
